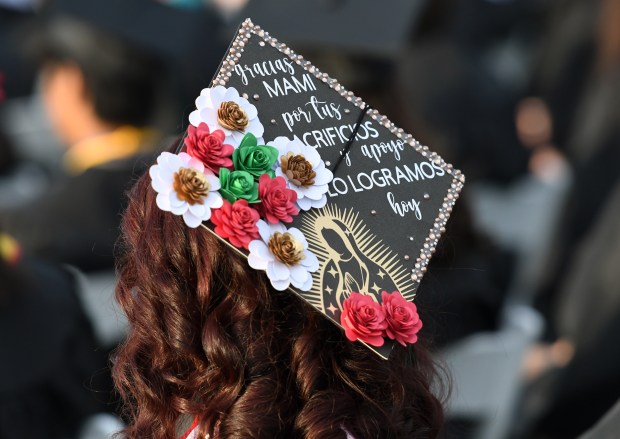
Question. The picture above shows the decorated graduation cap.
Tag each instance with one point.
(311, 185)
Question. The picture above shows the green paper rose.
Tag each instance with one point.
(254, 158)
(238, 185)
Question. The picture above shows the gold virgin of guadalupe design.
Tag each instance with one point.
(351, 259)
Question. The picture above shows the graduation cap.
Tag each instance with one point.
(350, 205)
(161, 29)
(356, 26)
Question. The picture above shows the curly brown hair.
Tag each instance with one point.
(209, 337)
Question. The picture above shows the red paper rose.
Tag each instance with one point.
(362, 318)
(403, 321)
(277, 201)
(236, 222)
(209, 147)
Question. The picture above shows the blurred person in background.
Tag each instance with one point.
(53, 375)
(105, 89)
(48, 372)
(99, 94)
(578, 87)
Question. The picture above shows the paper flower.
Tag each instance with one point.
(283, 253)
(403, 321)
(254, 158)
(277, 201)
(237, 185)
(209, 147)
(223, 109)
(305, 172)
(237, 223)
(185, 188)
(363, 319)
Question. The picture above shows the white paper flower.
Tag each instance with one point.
(304, 170)
(284, 254)
(185, 188)
(223, 109)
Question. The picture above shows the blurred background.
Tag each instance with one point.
(521, 301)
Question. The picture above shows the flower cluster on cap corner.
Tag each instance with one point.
(395, 318)
(246, 187)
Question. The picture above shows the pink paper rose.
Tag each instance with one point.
(236, 222)
(362, 318)
(209, 147)
(403, 321)
(277, 200)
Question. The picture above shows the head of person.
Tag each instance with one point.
(210, 338)
(92, 80)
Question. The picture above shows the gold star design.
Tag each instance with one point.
(332, 272)
(375, 287)
(381, 274)
(332, 308)
(329, 290)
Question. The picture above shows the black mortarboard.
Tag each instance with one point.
(149, 24)
(381, 215)
(357, 26)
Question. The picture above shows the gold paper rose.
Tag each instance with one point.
(298, 170)
(286, 248)
(231, 116)
(190, 185)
